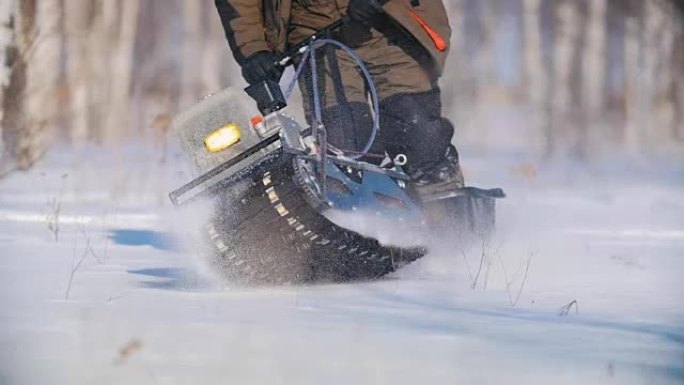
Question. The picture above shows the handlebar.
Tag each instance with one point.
(267, 93)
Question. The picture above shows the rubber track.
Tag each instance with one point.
(274, 236)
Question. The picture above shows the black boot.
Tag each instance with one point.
(443, 177)
(411, 124)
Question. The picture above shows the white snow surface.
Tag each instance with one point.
(143, 307)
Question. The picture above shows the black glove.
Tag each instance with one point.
(364, 10)
(261, 66)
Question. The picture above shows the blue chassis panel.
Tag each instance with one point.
(364, 196)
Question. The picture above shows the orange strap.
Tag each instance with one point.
(439, 42)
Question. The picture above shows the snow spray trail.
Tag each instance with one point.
(606, 246)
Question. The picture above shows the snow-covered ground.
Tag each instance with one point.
(582, 285)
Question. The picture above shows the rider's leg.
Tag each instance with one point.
(411, 109)
(412, 124)
(411, 115)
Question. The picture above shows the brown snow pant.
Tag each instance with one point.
(410, 105)
(393, 61)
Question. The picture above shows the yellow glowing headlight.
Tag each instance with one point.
(222, 138)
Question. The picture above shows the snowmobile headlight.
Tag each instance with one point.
(222, 138)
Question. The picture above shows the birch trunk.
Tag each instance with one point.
(577, 83)
(615, 72)
(665, 31)
(454, 75)
(120, 28)
(549, 30)
(677, 86)
(563, 54)
(99, 83)
(18, 154)
(489, 25)
(7, 12)
(534, 61)
(42, 78)
(473, 50)
(193, 57)
(78, 21)
(633, 80)
(534, 68)
(660, 31)
(593, 70)
(159, 55)
(215, 58)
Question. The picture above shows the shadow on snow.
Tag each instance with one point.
(173, 279)
(154, 239)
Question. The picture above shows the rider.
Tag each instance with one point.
(404, 44)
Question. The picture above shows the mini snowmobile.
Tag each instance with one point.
(277, 185)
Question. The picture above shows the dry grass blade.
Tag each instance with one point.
(565, 310)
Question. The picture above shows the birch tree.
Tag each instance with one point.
(676, 91)
(78, 21)
(615, 71)
(454, 75)
(577, 81)
(534, 61)
(217, 62)
(7, 9)
(192, 51)
(593, 70)
(158, 62)
(634, 67)
(548, 25)
(21, 151)
(43, 72)
(120, 26)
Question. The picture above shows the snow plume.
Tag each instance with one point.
(606, 240)
(189, 226)
(386, 231)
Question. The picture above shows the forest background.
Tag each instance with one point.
(585, 79)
